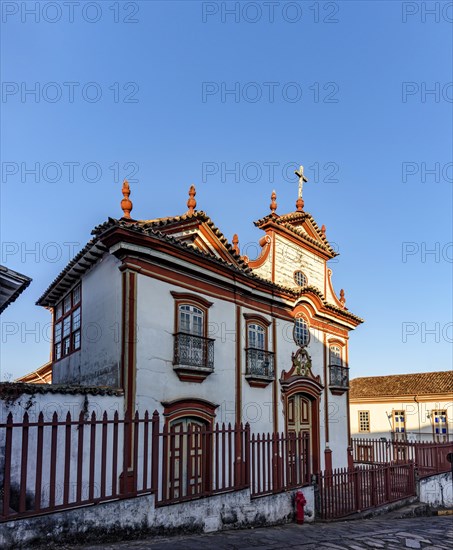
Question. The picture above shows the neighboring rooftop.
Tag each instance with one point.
(402, 385)
(12, 284)
(43, 375)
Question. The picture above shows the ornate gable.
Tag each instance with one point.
(295, 250)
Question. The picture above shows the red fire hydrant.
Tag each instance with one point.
(300, 503)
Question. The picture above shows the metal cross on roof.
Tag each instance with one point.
(302, 180)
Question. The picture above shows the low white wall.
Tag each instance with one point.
(47, 398)
(33, 399)
(138, 516)
(437, 490)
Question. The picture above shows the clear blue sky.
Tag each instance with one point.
(348, 95)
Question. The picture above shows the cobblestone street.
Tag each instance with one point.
(432, 533)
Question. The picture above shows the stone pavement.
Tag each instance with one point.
(434, 533)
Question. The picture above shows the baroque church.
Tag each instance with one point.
(168, 310)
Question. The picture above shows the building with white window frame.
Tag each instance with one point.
(403, 407)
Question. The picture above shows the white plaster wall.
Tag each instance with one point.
(156, 380)
(140, 516)
(98, 361)
(418, 418)
(265, 270)
(61, 403)
(437, 490)
(338, 430)
(290, 257)
(257, 403)
(329, 296)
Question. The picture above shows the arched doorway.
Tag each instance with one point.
(301, 393)
(189, 445)
(299, 420)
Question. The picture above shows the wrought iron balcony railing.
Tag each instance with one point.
(193, 351)
(260, 363)
(339, 377)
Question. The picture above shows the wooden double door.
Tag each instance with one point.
(299, 420)
(188, 450)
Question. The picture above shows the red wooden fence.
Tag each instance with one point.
(58, 464)
(429, 457)
(279, 462)
(55, 464)
(200, 461)
(346, 491)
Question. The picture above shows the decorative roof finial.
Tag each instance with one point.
(236, 243)
(323, 230)
(302, 180)
(191, 203)
(342, 298)
(273, 205)
(126, 204)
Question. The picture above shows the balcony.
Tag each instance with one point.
(259, 370)
(339, 379)
(193, 358)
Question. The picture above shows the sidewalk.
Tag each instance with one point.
(434, 533)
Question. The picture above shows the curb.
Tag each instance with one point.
(448, 512)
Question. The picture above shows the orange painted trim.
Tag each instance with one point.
(286, 314)
(336, 342)
(275, 382)
(326, 394)
(189, 375)
(123, 368)
(238, 408)
(335, 297)
(131, 375)
(118, 235)
(446, 397)
(181, 408)
(265, 250)
(121, 235)
(257, 318)
(180, 296)
(215, 242)
(199, 243)
(274, 246)
(256, 383)
(289, 235)
(182, 279)
(310, 229)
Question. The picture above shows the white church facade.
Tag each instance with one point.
(168, 310)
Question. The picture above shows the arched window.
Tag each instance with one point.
(259, 370)
(300, 278)
(339, 372)
(335, 356)
(256, 336)
(193, 357)
(191, 320)
(301, 332)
